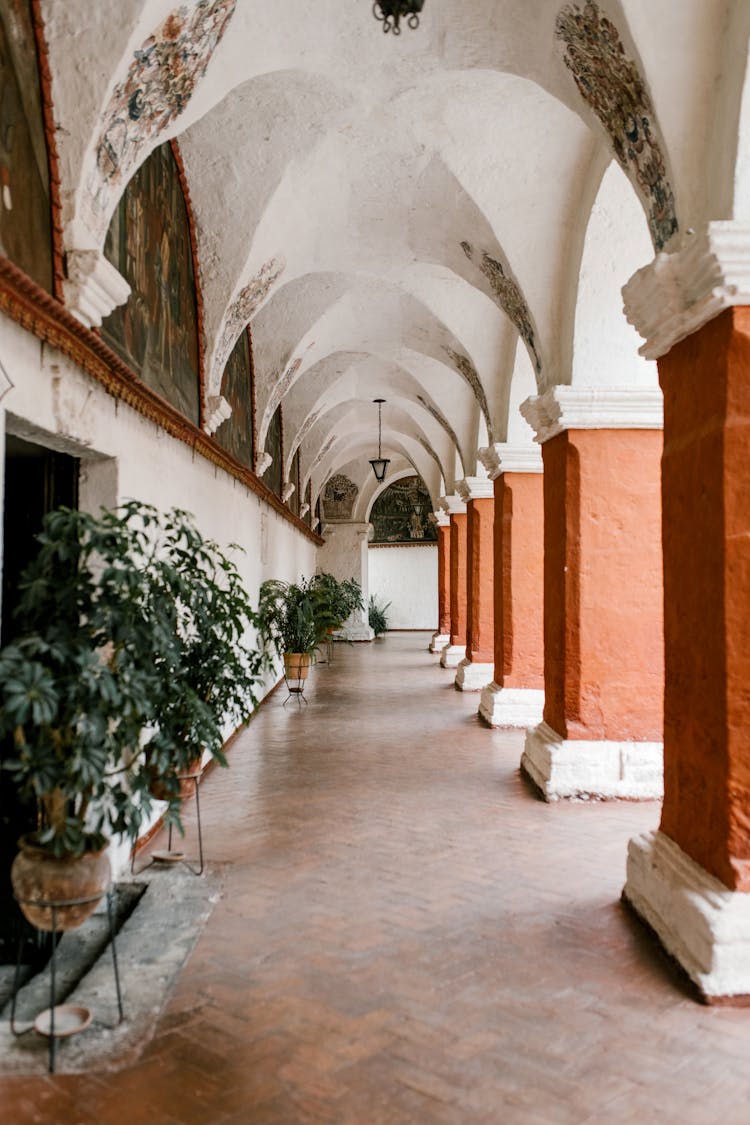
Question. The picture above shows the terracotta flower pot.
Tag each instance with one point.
(296, 665)
(38, 876)
(158, 787)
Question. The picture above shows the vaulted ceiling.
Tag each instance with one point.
(443, 219)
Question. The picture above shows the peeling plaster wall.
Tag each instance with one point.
(125, 455)
(407, 578)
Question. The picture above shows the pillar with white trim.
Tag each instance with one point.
(441, 637)
(475, 671)
(455, 651)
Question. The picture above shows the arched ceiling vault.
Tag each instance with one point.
(407, 217)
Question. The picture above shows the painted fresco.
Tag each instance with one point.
(25, 220)
(510, 298)
(273, 475)
(156, 331)
(245, 304)
(610, 83)
(295, 501)
(339, 496)
(308, 501)
(161, 79)
(236, 433)
(401, 514)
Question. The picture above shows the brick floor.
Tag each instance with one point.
(409, 935)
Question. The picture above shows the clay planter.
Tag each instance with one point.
(37, 875)
(158, 787)
(296, 665)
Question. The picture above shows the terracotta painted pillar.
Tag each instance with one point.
(476, 669)
(441, 637)
(601, 735)
(690, 880)
(455, 650)
(515, 697)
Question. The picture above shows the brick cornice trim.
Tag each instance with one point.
(678, 293)
(506, 458)
(29, 305)
(593, 408)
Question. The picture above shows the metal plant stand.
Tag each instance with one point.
(179, 857)
(49, 1029)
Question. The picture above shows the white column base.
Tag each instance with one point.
(438, 642)
(565, 768)
(699, 921)
(452, 655)
(511, 707)
(358, 631)
(473, 677)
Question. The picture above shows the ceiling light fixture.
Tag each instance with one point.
(391, 12)
(380, 463)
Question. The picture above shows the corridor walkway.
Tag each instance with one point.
(408, 935)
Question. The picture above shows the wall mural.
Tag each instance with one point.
(510, 298)
(401, 514)
(274, 474)
(295, 500)
(463, 364)
(609, 82)
(161, 80)
(339, 497)
(236, 433)
(242, 308)
(156, 331)
(440, 419)
(25, 218)
(308, 500)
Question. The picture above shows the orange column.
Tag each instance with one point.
(603, 613)
(475, 670)
(455, 650)
(441, 637)
(516, 695)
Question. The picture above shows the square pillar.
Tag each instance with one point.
(441, 637)
(601, 734)
(690, 881)
(344, 555)
(475, 671)
(515, 697)
(455, 651)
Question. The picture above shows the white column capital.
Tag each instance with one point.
(217, 411)
(287, 491)
(678, 293)
(93, 287)
(506, 458)
(593, 408)
(263, 461)
(453, 505)
(475, 488)
(305, 508)
(441, 518)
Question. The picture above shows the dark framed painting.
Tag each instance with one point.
(156, 331)
(274, 474)
(308, 501)
(295, 502)
(401, 514)
(236, 434)
(25, 209)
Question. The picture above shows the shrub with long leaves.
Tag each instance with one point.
(294, 616)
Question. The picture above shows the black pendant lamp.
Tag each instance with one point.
(380, 463)
(391, 12)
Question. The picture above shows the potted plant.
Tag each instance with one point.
(294, 618)
(341, 597)
(377, 615)
(101, 688)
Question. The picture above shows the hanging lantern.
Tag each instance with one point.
(391, 12)
(380, 463)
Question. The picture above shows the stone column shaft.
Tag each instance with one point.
(475, 670)
(455, 650)
(442, 636)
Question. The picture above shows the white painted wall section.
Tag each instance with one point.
(407, 578)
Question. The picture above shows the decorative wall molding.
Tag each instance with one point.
(33, 309)
(93, 287)
(452, 504)
(288, 491)
(475, 488)
(415, 543)
(703, 924)
(593, 408)
(507, 458)
(678, 293)
(263, 462)
(218, 410)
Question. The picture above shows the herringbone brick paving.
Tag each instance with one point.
(409, 935)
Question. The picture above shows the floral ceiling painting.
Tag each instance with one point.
(509, 297)
(610, 83)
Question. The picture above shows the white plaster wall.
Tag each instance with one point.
(126, 456)
(407, 578)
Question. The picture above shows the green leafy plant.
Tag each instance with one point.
(130, 656)
(294, 616)
(377, 615)
(341, 596)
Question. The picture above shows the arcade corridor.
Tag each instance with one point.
(407, 934)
